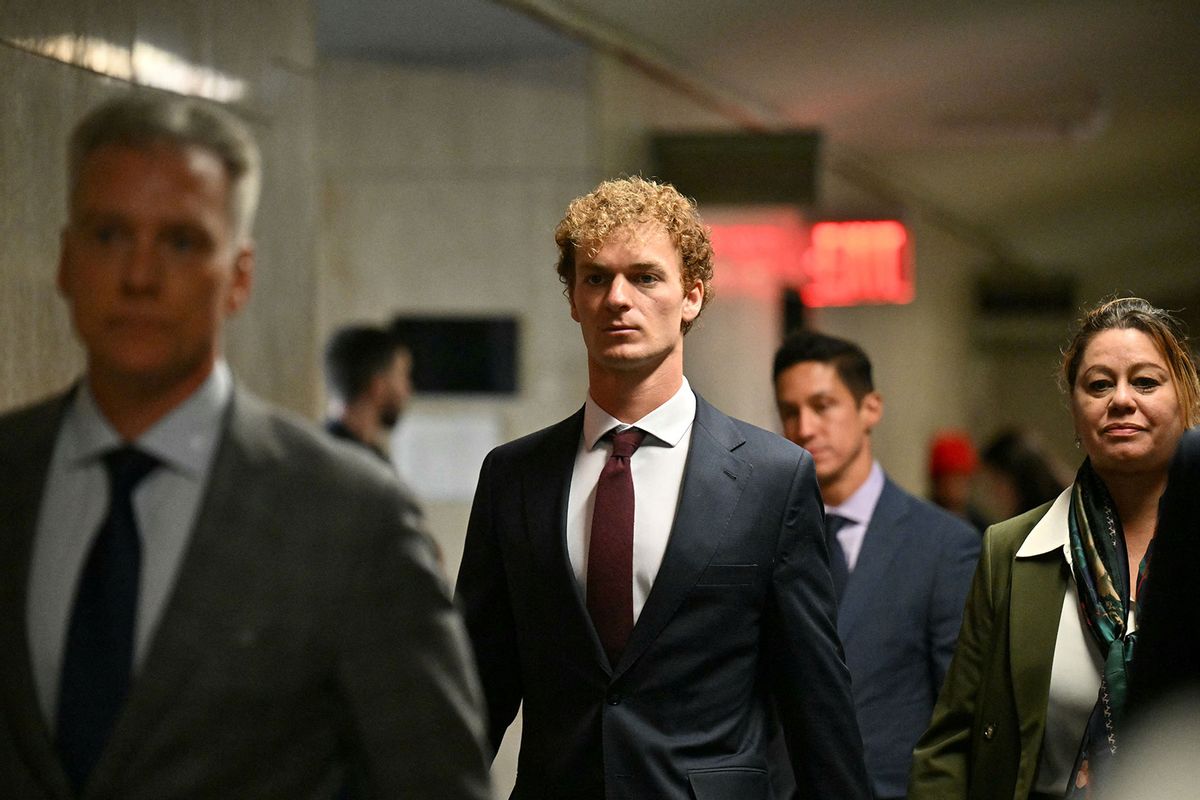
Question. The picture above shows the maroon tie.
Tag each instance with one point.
(610, 553)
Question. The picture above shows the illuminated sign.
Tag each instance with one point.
(829, 263)
(853, 263)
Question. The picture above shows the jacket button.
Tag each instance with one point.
(989, 731)
(613, 699)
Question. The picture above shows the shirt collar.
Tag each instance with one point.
(1050, 533)
(185, 438)
(668, 423)
(859, 506)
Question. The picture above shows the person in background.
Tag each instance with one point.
(952, 468)
(1018, 474)
(1033, 703)
(901, 566)
(201, 596)
(369, 377)
(648, 577)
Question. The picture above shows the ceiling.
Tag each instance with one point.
(1062, 137)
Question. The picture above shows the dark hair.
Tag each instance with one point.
(1163, 329)
(851, 363)
(1021, 458)
(354, 355)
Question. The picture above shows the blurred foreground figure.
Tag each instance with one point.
(201, 597)
(902, 566)
(1164, 680)
(1034, 702)
(650, 642)
(1166, 663)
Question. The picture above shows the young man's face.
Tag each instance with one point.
(820, 414)
(630, 301)
(150, 266)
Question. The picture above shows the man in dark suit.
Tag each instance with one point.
(200, 596)
(650, 641)
(901, 566)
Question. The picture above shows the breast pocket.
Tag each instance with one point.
(729, 783)
(728, 575)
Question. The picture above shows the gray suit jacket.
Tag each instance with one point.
(308, 634)
(741, 616)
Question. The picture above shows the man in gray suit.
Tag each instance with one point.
(901, 566)
(200, 596)
(648, 577)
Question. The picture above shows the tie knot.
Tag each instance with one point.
(625, 442)
(127, 466)
(834, 523)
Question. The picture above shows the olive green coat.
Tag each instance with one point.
(985, 738)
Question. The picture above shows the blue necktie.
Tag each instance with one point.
(98, 658)
(839, 567)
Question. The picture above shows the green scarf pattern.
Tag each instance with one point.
(1100, 565)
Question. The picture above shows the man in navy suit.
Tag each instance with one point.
(901, 566)
(650, 641)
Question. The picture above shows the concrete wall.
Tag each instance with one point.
(269, 47)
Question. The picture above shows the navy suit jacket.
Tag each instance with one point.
(741, 614)
(899, 620)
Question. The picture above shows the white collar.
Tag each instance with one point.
(668, 423)
(1050, 533)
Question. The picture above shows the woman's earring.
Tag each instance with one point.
(1077, 442)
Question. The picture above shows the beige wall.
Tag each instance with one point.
(269, 46)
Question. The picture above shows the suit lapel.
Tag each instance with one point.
(885, 537)
(713, 481)
(204, 609)
(545, 491)
(1038, 586)
(27, 462)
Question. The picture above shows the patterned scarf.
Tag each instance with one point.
(1101, 569)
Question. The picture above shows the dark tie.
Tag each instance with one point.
(839, 568)
(610, 552)
(98, 658)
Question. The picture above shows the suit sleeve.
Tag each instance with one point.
(809, 679)
(482, 592)
(405, 669)
(940, 767)
(952, 583)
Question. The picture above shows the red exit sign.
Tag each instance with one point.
(830, 263)
(852, 263)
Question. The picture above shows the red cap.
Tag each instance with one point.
(951, 452)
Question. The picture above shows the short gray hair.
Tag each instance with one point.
(140, 120)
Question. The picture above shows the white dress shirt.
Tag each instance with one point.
(858, 510)
(75, 502)
(657, 469)
(1075, 674)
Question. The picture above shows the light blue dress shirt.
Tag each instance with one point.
(858, 509)
(75, 503)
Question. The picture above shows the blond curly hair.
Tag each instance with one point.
(625, 202)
